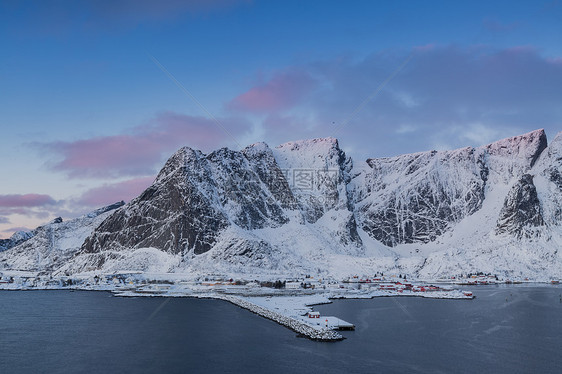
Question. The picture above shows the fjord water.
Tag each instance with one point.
(506, 329)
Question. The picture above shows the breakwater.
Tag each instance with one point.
(318, 334)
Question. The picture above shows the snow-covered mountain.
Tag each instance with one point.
(306, 207)
(418, 197)
(17, 238)
(49, 246)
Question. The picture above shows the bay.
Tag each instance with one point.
(506, 329)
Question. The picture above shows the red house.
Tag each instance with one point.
(313, 314)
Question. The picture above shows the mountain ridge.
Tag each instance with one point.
(306, 207)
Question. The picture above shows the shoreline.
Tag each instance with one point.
(288, 309)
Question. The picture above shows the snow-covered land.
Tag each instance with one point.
(281, 302)
(306, 208)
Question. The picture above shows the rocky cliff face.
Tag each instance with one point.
(16, 239)
(196, 197)
(172, 214)
(412, 198)
(305, 206)
(549, 176)
(416, 198)
(521, 210)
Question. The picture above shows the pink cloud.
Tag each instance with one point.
(426, 47)
(443, 87)
(11, 230)
(110, 193)
(284, 128)
(133, 154)
(25, 201)
(142, 150)
(282, 91)
(36, 212)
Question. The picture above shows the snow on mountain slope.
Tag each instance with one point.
(316, 171)
(416, 198)
(548, 180)
(246, 208)
(318, 174)
(304, 207)
(54, 243)
(17, 238)
(516, 233)
(194, 197)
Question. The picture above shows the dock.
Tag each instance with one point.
(335, 323)
(330, 322)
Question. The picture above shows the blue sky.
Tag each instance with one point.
(88, 117)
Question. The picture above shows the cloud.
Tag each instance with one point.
(141, 151)
(66, 17)
(494, 25)
(101, 156)
(451, 95)
(25, 201)
(14, 229)
(34, 209)
(40, 213)
(110, 193)
(478, 134)
(404, 129)
(22, 209)
(282, 91)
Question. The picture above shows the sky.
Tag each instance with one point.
(96, 95)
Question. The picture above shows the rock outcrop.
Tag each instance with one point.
(521, 210)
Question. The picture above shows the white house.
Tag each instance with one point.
(292, 285)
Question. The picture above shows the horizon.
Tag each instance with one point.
(97, 95)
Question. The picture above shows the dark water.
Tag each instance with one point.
(504, 330)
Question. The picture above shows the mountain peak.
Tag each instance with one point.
(318, 143)
(179, 159)
(528, 146)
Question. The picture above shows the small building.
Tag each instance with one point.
(387, 287)
(313, 314)
(292, 285)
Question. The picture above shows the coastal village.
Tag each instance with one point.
(289, 302)
(143, 283)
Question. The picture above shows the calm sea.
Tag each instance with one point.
(506, 329)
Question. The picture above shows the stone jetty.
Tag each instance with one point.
(318, 334)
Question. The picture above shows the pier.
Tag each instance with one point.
(319, 333)
(336, 323)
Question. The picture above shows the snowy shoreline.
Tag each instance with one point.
(288, 308)
(289, 303)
